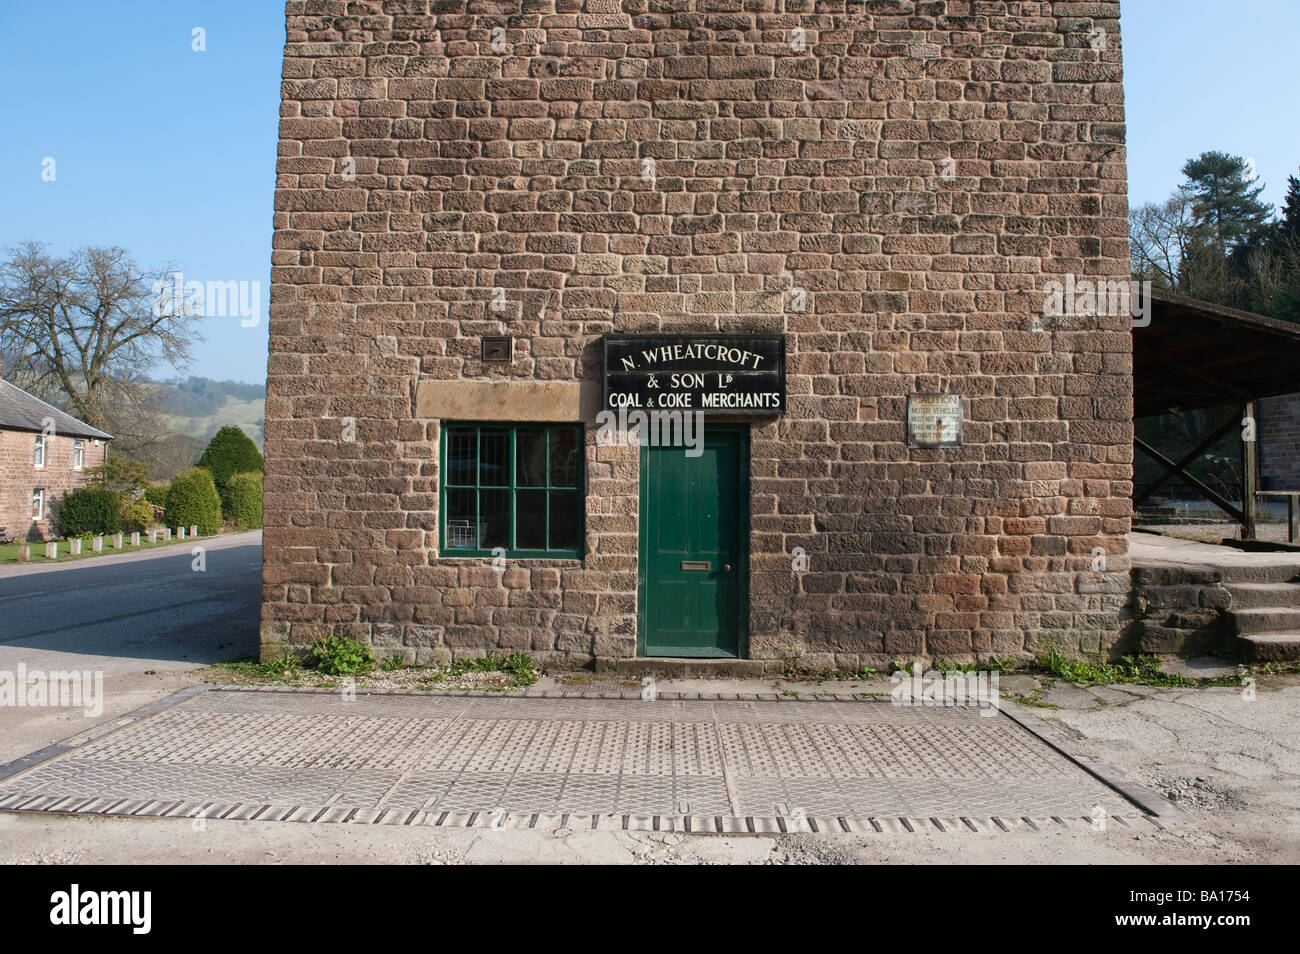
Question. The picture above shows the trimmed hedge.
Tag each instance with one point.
(193, 499)
(243, 500)
(156, 494)
(230, 452)
(89, 510)
(137, 516)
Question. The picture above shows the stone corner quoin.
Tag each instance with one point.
(918, 170)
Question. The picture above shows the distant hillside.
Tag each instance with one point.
(199, 407)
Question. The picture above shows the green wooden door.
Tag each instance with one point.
(694, 530)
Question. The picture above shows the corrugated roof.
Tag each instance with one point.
(20, 411)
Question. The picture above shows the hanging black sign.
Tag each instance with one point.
(716, 374)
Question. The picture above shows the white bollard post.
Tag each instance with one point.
(167, 534)
(117, 541)
(135, 539)
(180, 533)
(74, 546)
(97, 544)
(194, 529)
(52, 550)
(24, 553)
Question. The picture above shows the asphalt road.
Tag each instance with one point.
(150, 610)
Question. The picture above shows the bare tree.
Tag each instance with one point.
(1160, 235)
(88, 326)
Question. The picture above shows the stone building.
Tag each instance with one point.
(44, 453)
(852, 211)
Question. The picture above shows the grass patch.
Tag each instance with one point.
(1273, 669)
(1130, 670)
(9, 551)
(992, 664)
(1034, 698)
(326, 672)
(285, 671)
(517, 666)
(862, 672)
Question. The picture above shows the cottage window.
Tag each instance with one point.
(38, 504)
(78, 454)
(513, 486)
(38, 452)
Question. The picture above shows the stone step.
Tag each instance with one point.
(1270, 647)
(1201, 574)
(1264, 595)
(1266, 573)
(1270, 620)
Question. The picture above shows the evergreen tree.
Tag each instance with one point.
(1225, 199)
(1290, 226)
(1275, 266)
(230, 452)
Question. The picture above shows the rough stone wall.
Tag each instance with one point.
(19, 477)
(1279, 442)
(921, 169)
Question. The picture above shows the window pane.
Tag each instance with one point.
(566, 519)
(494, 458)
(460, 456)
(564, 457)
(461, 532)
(493, 519)
(530, 520)
(530, 458)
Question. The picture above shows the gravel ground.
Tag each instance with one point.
(1214, 532)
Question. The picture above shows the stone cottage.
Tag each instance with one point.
(44, 453)
(828, 228)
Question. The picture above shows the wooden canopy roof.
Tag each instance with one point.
(1195, 355)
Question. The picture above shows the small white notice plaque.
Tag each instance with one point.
(934, 420)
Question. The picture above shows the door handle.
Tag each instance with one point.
(698, 566)
(726, 568)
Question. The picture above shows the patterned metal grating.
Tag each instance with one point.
(688, 764)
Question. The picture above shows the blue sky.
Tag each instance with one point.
(170, 153)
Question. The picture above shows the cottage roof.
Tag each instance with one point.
(20, 411)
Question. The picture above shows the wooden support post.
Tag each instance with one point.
(1249, 471)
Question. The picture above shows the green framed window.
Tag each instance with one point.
(517, 486)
